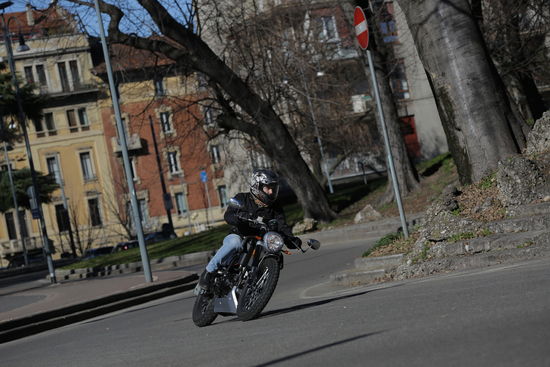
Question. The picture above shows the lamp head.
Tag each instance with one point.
(5, 4)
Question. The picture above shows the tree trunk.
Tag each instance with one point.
(476, 114)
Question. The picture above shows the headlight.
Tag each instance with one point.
(273, 241)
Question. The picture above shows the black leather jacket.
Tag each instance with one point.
(242, 228)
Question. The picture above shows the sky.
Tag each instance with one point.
(89, 18)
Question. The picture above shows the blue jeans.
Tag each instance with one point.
(231, 243)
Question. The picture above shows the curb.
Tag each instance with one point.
(25, 326)
(195, 258)
(467, 254)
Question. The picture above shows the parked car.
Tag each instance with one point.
(158, 237)
(126, 245)
(99, 251)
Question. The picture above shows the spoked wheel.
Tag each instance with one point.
(256, 295)
(203, 310)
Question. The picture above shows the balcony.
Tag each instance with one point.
(67, 90)
(133, 141)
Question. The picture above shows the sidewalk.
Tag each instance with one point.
(46, 306)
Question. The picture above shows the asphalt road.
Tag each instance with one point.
(497, 316)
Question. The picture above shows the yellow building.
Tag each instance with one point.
(67, 142)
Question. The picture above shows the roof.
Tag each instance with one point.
(127, 58)
(35, 23)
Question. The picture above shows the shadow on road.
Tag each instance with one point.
(316, 349)
(303, 306)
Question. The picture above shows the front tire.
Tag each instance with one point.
(203, 310)
(255, 296)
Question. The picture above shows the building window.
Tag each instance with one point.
(10, 224)
(222, 192)
(181, 203)
(133, 170)
(143, 211)
(388, 28)
(41, 73)
(4, 166)
(73, 66)
(327, 31)
(208, 116)
(173, 163)
(159, 87)
(83, 119)
(95, 215)
(398, 81)
(71, 119)
(63, 77)
(53, 169)
(62, 218)
(45, 126)
(165, 122)
(67, 84)
(81, 124)
(215, 154)
(87, 167)
(38, 74)
(29, 75)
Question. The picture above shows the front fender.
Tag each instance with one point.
(278, 257)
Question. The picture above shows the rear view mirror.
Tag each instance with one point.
(314, 244)
(235, 203)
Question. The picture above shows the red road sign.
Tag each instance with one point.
(361, 28)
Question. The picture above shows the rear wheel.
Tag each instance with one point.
(203, 310)
(256, 295)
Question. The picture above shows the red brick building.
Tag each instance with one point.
(154, 92)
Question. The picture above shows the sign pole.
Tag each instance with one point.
(361, 30)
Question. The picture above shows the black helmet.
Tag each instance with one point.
(261, 178)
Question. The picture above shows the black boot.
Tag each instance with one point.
(205, 280)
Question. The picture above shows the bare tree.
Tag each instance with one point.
(85, 235)
(515, 32)
(243, 108)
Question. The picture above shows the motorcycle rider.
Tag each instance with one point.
(258, 203)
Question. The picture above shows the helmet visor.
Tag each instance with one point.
(271, 190)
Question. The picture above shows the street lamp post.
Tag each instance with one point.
(124, 149)
(22, 123)
(18, 224)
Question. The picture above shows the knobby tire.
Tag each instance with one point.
(255, 296)
(203, 310)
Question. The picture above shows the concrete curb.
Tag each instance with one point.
(381, 262)
(195, 258)
(354, 277)
(25, 326)
(474, 253)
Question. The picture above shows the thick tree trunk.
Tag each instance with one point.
(476, 114)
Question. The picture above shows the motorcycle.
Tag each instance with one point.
(245, 282)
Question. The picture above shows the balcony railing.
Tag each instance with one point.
(77, 88)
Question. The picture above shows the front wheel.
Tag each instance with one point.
(256, 295)
(203, 310)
